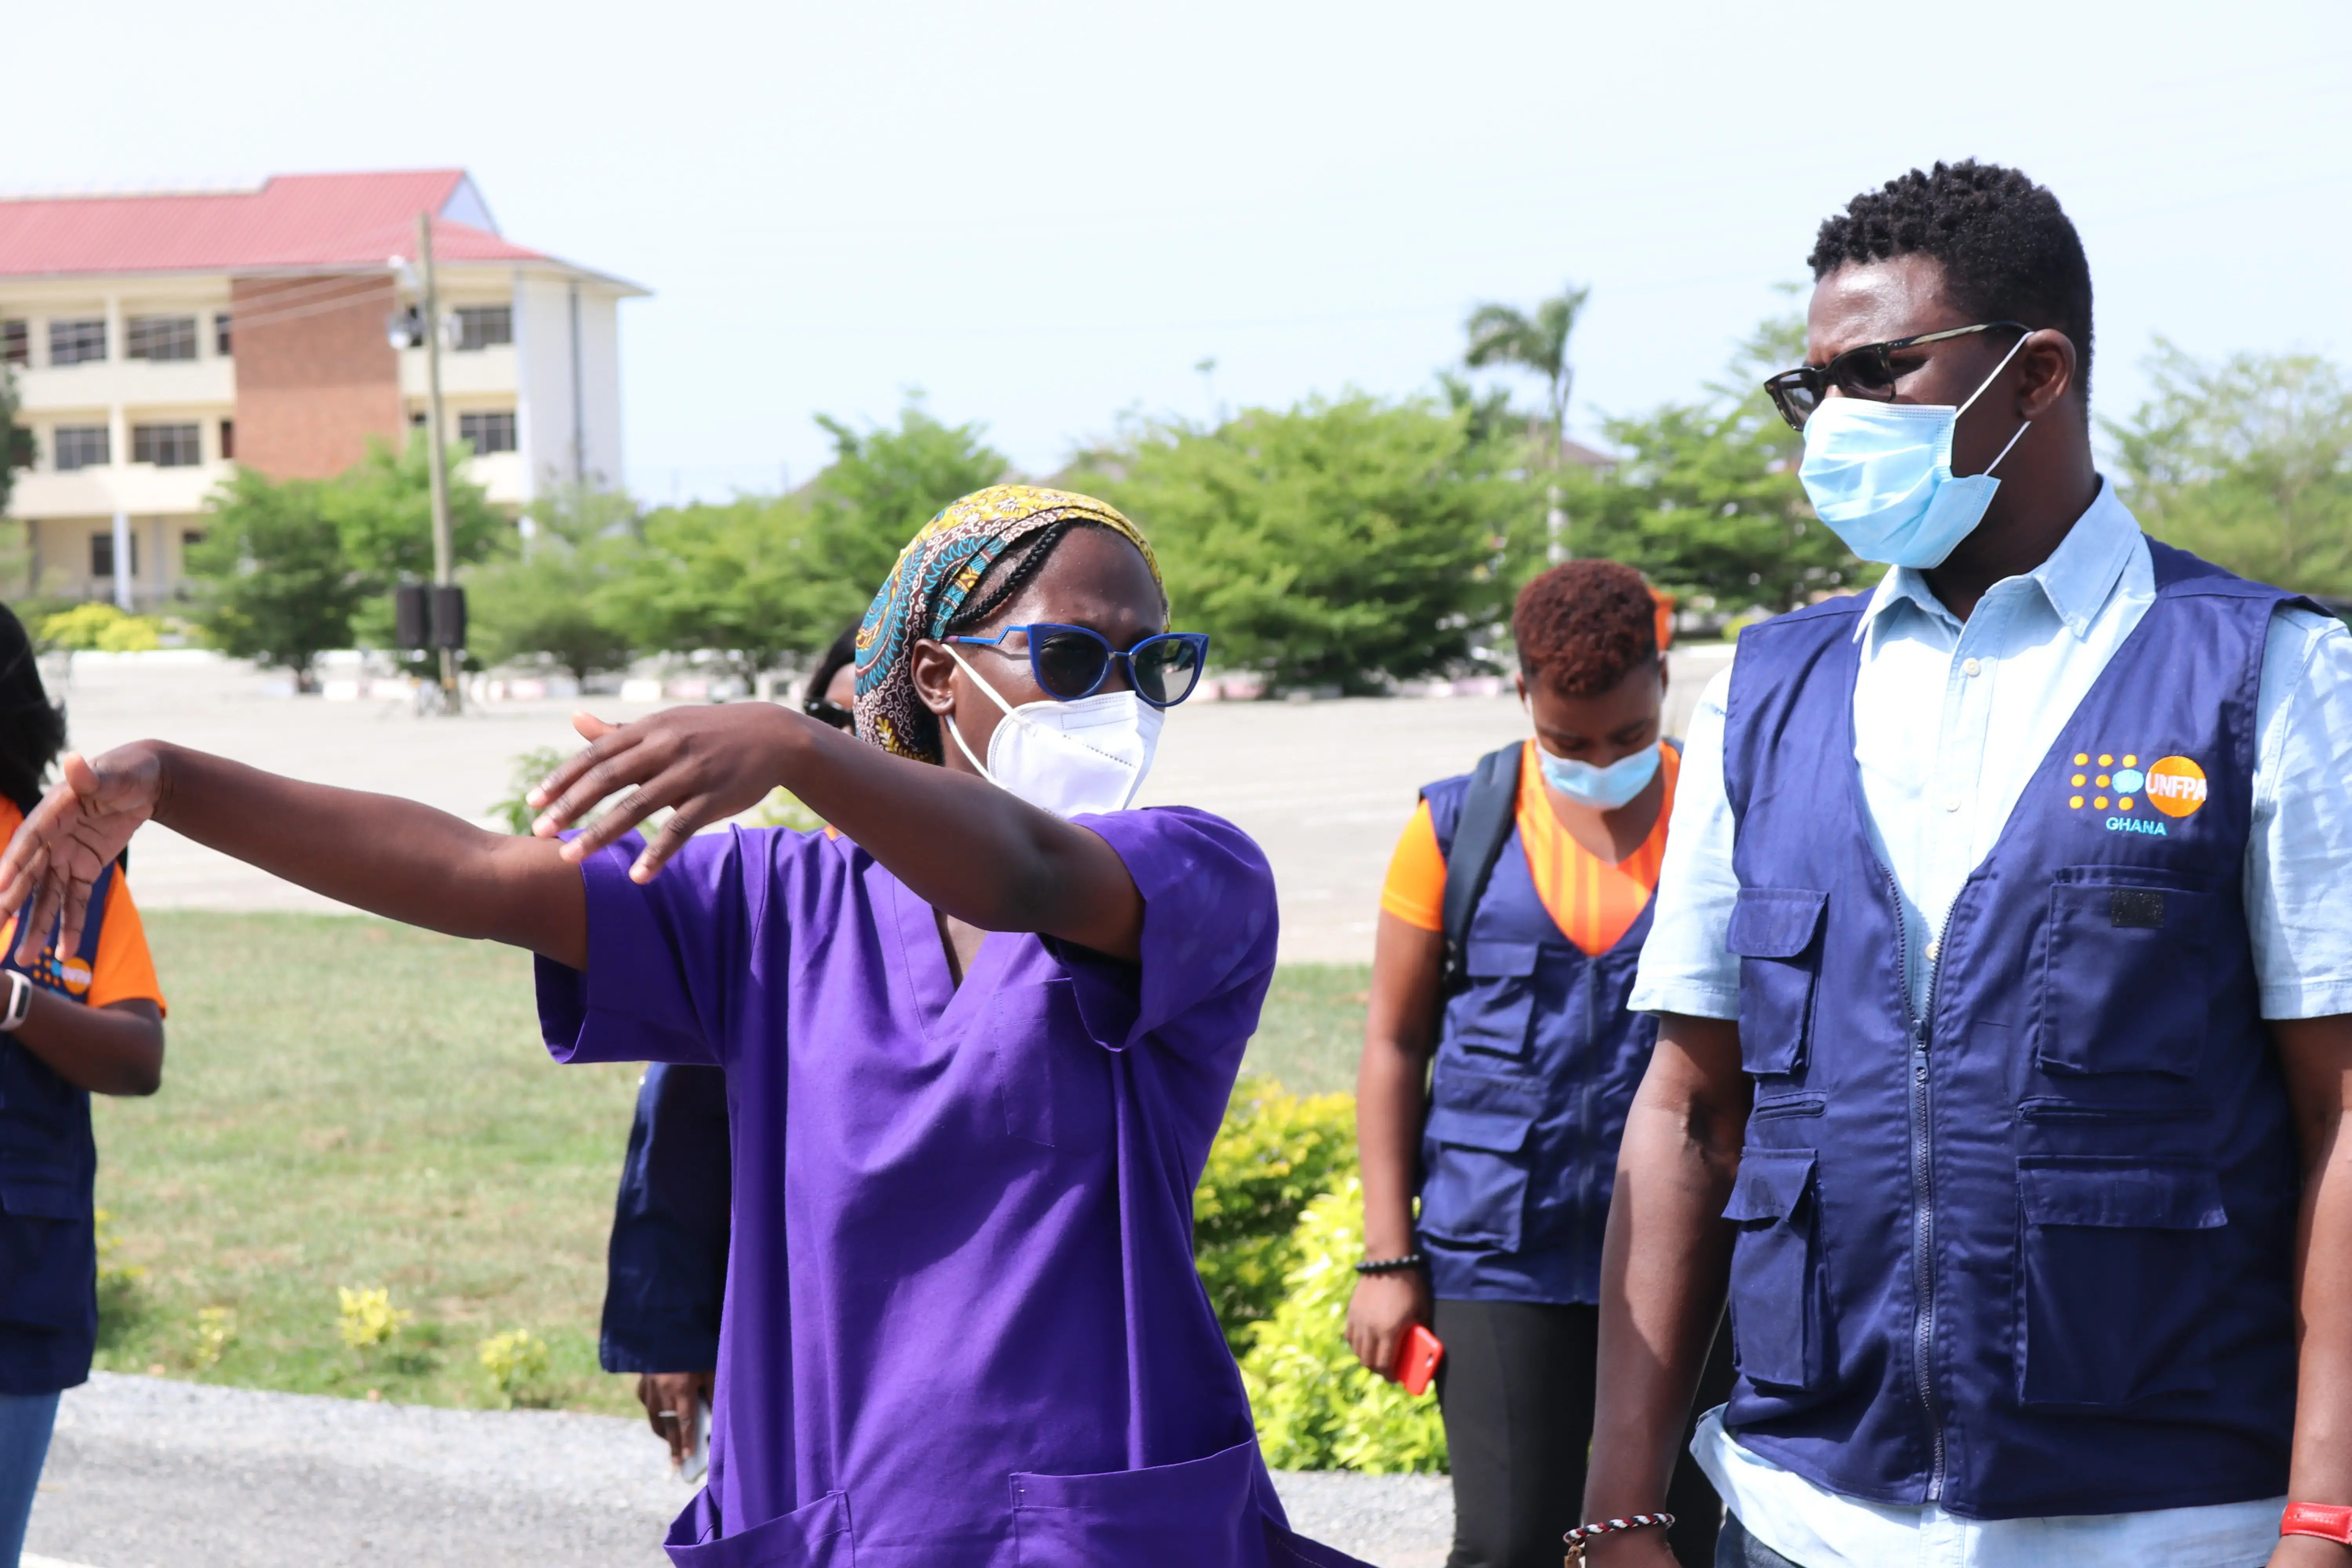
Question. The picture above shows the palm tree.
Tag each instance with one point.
(1536, 342)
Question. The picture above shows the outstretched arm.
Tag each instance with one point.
(966, 848)
(379, 853)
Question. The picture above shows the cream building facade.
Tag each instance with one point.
(157, 341)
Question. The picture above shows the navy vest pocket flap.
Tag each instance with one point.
(1770, 1185)
(1496, 1131)
(1775, 923)
(814, 1536)
(1776, 933)
(43, 1197)
(2159, 1197)
(1497, 960)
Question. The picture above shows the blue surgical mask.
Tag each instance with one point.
(1880, 474)
(1603, 789)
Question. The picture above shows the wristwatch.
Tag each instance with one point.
(20, 1002)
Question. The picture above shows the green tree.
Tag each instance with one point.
(1536, 342)
(380, 509)
(880, 486)
(16, 441)
(1706, 499)
(761, 577)
(551, 599)
(2248, 462)
(275, 586)
(1341, 543)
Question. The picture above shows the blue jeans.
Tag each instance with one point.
(25, 1422)
(1735, 1548)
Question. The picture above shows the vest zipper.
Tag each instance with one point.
(1922, 1188)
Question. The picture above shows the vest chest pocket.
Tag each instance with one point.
(2125, 979)
(1496, 1009)
(1776, 1270)
(2114, 1260)
(1475, 1160)
(1776, 932)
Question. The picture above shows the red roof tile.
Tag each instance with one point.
(293, 221)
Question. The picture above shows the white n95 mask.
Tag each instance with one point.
(1066, 758)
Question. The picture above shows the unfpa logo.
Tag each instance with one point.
(2172, 786)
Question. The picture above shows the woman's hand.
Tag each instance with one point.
(1383, 1308)
(705, 763)
(72, 836)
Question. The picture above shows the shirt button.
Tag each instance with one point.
(1972, 666)
(1951, 803)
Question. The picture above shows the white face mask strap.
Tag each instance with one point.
(2013, 440)
(955, 731)
(1988, 381)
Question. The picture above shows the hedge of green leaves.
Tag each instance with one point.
(1277, 1228)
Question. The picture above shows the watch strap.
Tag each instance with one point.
(2329, 1521)
(20, 1002)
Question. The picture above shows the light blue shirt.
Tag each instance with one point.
(1951, 721)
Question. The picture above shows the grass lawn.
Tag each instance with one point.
(347, 1102)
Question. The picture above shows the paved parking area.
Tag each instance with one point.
(1324, 786)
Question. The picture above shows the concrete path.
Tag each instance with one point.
(1324, 786)
(150, 1473)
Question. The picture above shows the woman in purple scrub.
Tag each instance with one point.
(976, 1043)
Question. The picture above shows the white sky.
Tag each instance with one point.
(1045, 214)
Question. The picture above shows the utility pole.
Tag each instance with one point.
(444, 566)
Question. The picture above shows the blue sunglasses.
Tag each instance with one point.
(1071, 662)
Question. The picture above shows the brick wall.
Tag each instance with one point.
(313, 385)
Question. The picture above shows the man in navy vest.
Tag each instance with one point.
(2003, 968)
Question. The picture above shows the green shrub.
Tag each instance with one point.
(1317, 1407)
(1274, 1154)
(102, 627)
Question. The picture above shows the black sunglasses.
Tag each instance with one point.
(1867, 373)
(829, 713)
(1071, 662)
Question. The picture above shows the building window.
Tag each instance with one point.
(167, 445)
(488, 432)
(190, 538)
(228, 440)
(73, 343)
(81, 446)
(484, 327)
(160, 337)
(101, 554)
(16, 342)
(220, 333)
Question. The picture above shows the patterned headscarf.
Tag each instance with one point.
(935, 575)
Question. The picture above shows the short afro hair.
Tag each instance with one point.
(2008, 250)
(1584, 625)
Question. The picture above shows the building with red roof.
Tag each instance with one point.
(158, 339)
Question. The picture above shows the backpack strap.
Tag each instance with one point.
(1485, 821)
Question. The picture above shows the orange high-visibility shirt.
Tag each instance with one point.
(1592, 901)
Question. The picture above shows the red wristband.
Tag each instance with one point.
(2328, 1520)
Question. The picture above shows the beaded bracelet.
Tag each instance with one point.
(1392, 1265)
(1583, 1533)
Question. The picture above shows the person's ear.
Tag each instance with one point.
(933, 670)
(2045, 372)
(1521, 681)
(1662, 672)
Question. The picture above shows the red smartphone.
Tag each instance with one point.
(1417, 1360)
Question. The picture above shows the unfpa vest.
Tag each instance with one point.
(1536, 1065)
(2029, 1254)
(48, 1162)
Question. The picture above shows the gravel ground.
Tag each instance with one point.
(150, 1473)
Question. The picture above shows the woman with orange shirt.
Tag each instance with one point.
(1510, 1140)
(89, 1020)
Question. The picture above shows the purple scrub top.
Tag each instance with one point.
(962, 1326)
